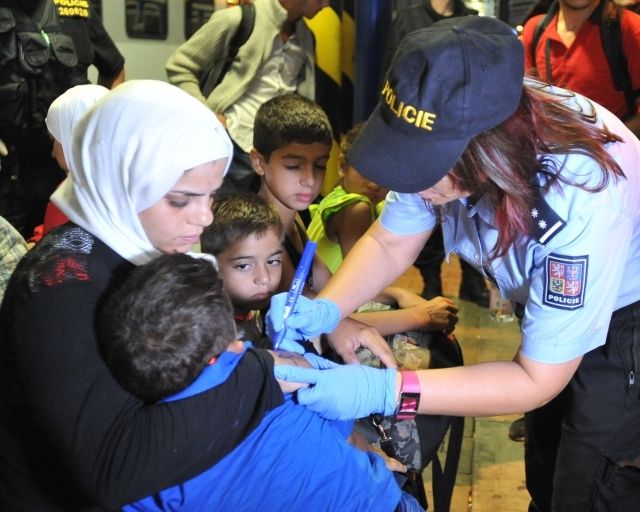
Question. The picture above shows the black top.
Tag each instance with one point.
(44, 52)
(70, 437)
(294, 254)
(93, 43)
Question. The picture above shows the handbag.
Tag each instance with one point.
(416, 442)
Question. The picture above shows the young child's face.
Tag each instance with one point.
(58, 154)
(293, 175)
(251, 269)
(355, 183)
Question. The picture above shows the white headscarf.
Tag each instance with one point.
(67, 108)
(127, 152)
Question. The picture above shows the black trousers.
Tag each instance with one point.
(582, 451)
(28, 177)
(241, 176)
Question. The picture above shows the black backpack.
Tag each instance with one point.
(425, 435)
(211, 77)
(611, 37)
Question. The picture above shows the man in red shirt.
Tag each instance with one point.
(569, 54)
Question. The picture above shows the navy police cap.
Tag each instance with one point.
(446, 84)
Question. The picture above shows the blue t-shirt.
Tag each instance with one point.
(586, 265)
(293, 460)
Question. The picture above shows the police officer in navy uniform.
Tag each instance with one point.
(538, 187)
(46, 47)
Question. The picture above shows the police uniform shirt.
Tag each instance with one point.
(582, 262)
(81, 21)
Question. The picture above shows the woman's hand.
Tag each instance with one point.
(344, 392)
(308, 319)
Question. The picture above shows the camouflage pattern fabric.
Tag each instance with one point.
(411, 353)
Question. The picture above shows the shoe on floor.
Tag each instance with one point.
(517, 430)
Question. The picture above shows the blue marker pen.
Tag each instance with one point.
(297, 285)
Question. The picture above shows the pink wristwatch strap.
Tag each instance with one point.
(409, 396)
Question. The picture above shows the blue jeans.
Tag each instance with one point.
(408, 504)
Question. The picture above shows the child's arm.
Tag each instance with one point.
(399, 297)
(439, 314)
(321, 276)
(348, 225)
(362, 444)
(281, 357)
(320, 273)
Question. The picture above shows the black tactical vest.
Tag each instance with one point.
(36, 64)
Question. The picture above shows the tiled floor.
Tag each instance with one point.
(491, 471)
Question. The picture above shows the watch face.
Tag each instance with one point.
(408, 407)
(409, 396)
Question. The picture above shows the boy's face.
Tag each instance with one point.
(251, 269)
(355, 183)
(293, 175)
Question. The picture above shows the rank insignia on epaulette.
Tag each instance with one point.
(565, 281)
(546, 223)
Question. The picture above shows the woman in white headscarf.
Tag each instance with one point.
(62, 116)
(146, 160)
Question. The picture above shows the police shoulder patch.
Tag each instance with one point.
(565, 281)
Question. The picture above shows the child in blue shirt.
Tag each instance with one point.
(166, 335)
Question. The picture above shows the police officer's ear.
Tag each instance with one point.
(257, 162)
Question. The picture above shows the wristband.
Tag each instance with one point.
(409, 396)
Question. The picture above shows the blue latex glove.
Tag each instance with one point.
(343, 391)
(319, 362)
(308, 319)
(286, 344)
